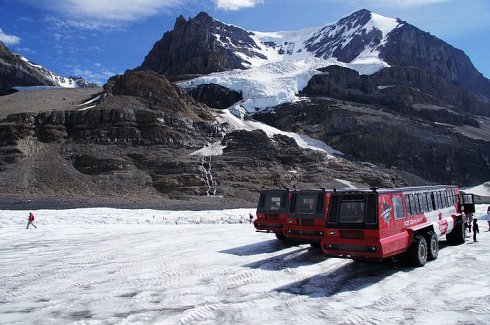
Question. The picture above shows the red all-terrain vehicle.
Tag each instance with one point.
(307, 216)
(272, 211)
(405, 222)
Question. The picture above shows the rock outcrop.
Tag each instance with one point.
(192, 48)
(401, 88)
(215, 96)
(409, 46)
(434, 152)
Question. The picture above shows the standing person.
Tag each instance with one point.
(488, 217)
(470, 220)
(251, 217)
(475, 229)
(30, 220)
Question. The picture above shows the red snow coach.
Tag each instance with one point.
(405, 222)
(272, 211)
(307, 216)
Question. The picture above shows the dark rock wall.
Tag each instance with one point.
(411, 47)
(433, 152)
(398, 87)
(191, 48)
(215, 96)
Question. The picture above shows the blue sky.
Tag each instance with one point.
(100, 38)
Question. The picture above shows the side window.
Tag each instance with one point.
(417, 203)
(413, 207)
(398, 207)
(439, 200)
(429, 201)
(407, 205)
(423, 202)
(434, 201)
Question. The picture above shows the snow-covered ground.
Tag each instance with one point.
(110, 266)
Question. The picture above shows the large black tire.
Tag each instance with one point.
(280, 236)
(416, 255)
(316, 245)
(457, 236)
(432, 246)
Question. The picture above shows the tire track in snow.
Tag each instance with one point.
(200, 314)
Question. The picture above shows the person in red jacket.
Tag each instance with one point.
(30, 220)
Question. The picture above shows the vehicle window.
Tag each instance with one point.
(398, 207)
(441, 202)
(407, 204)
(423, 202)
(351, 212)
(429, 201)
(273, 203)
(413, 207)
(444, 199)
(306, 205)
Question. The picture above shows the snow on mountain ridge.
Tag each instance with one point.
(280, 64)
(57, 80)
(321, 42)
(274, 83)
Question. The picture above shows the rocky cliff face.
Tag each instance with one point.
(192, 48)
(434, 152)
(15, 70)
(409, 46)
(139, 143)
(401, 88)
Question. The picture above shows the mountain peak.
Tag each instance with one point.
(16, 70)
(203, 15)
(360, 12)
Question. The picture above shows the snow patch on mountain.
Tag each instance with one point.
(64, 82)
(303, 141)
(280, 64)
(275, 83)
(481, 190)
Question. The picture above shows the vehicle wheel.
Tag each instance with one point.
(280, 236)
(457, 235)
(416, 255)
(358, 259)
(316, 245)
(433, 246)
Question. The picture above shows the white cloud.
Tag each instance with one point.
(236, 4)
(93, 14)
(9, 39)
(99, 74)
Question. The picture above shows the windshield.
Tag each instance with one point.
(273, 202)
(306, 204)
(351, 212)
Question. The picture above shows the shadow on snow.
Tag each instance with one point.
(268, 246)
(299, 257)
(351, 276)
